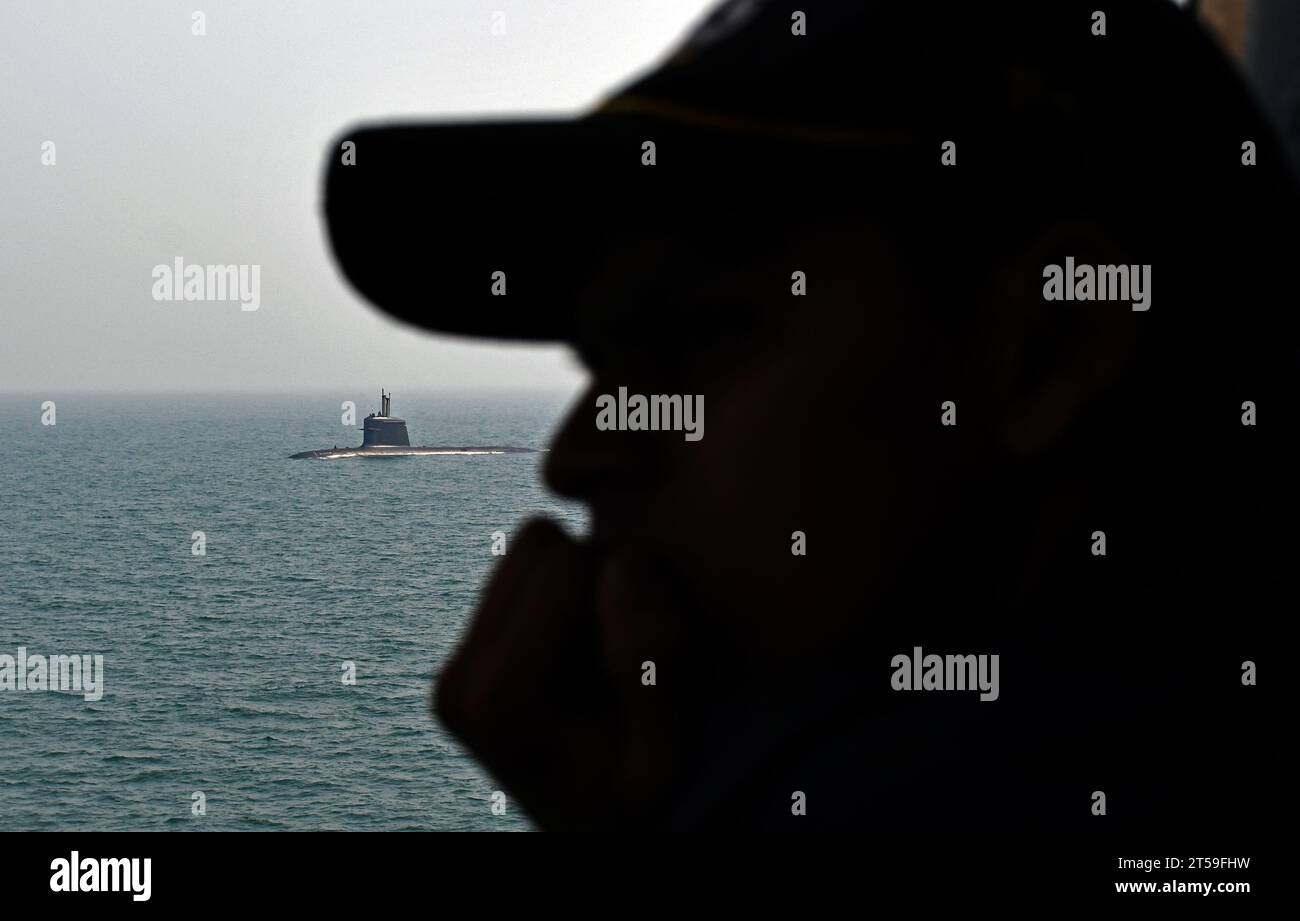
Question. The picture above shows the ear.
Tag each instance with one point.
(1055, 356)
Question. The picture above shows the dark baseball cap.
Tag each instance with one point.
(769, 119)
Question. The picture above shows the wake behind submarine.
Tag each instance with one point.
(384, 435)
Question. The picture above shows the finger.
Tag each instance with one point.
(533, 600)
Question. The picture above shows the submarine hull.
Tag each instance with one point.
(406, 451)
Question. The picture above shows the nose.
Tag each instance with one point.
(579, 462)
(585, 463)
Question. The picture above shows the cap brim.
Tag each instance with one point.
(426, 216)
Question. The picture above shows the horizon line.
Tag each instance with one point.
(313, 391)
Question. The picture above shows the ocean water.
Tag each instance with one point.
(223, 672)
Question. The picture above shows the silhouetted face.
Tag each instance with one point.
(800, 400)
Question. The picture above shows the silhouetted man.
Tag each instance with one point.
(984, 308)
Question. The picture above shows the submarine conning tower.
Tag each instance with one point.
(384, 430)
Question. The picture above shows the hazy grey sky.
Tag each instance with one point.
(210, 148)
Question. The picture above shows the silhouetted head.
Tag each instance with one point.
(859, 247)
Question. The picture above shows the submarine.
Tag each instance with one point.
(385, 435)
